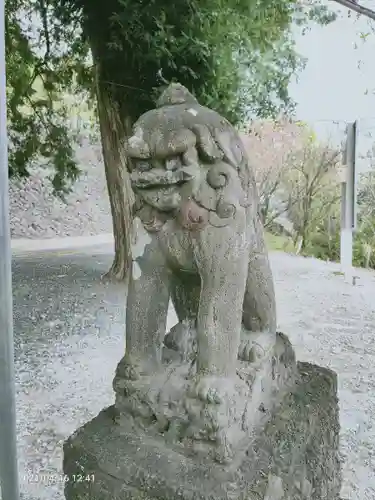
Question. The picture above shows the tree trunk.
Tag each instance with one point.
(114, 129)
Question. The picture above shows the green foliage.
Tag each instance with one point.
(39, 70)
(324, 239)
(236, 56)
(280, 243)
(364, 242)
(323, 244)
(364, 246)
(327, 247)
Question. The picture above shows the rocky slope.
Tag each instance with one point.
(35, 213)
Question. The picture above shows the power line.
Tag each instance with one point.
(353, 5)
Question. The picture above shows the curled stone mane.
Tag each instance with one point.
(175, 93)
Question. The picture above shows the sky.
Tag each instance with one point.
(340, 69)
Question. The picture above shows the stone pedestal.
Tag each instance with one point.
(291, 455)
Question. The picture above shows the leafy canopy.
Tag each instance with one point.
(237, 56)
(41, 68)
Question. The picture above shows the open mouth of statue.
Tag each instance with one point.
(160, 179)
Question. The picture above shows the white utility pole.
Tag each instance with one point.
(348, 202)
(9, 485)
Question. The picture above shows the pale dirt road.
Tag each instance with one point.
(69, 336)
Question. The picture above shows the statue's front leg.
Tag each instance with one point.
(146, 317)
(146, 312)
(221, 255)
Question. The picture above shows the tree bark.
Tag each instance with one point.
(114, 129)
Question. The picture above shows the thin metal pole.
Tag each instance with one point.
(348, 203)
(8, 443)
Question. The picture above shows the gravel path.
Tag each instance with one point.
(69, 330)
(333, 324)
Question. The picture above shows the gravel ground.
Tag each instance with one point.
(69, 336)
(35, 213)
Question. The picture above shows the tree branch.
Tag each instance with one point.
(44, 15)
(353, 5)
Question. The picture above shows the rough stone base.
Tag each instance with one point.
(166, 401)
(295, 458)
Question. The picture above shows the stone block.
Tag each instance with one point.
(295, 457)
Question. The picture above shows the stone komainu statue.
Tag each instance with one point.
(199, 242)
(217, 408)
(197, 199)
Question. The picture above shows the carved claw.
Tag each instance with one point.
(125, 378)
(127, 371)
(212, 389)
(254, 347)
(249, 351)
(205, 393)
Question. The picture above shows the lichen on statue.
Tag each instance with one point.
(196, 199)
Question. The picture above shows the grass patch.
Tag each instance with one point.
(338, 273)
(279, 243)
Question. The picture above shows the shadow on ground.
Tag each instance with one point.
(68, 336)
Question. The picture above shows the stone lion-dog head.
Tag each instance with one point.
(188, 162)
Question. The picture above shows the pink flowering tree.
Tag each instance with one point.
(296, 176)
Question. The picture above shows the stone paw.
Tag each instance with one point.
(127, 371)
(182, 338)
(255, 347)
(210, 389)
(250, 351)
(125, 379)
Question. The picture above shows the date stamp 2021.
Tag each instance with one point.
(48, 478)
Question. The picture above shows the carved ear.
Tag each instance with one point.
(206, 145)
